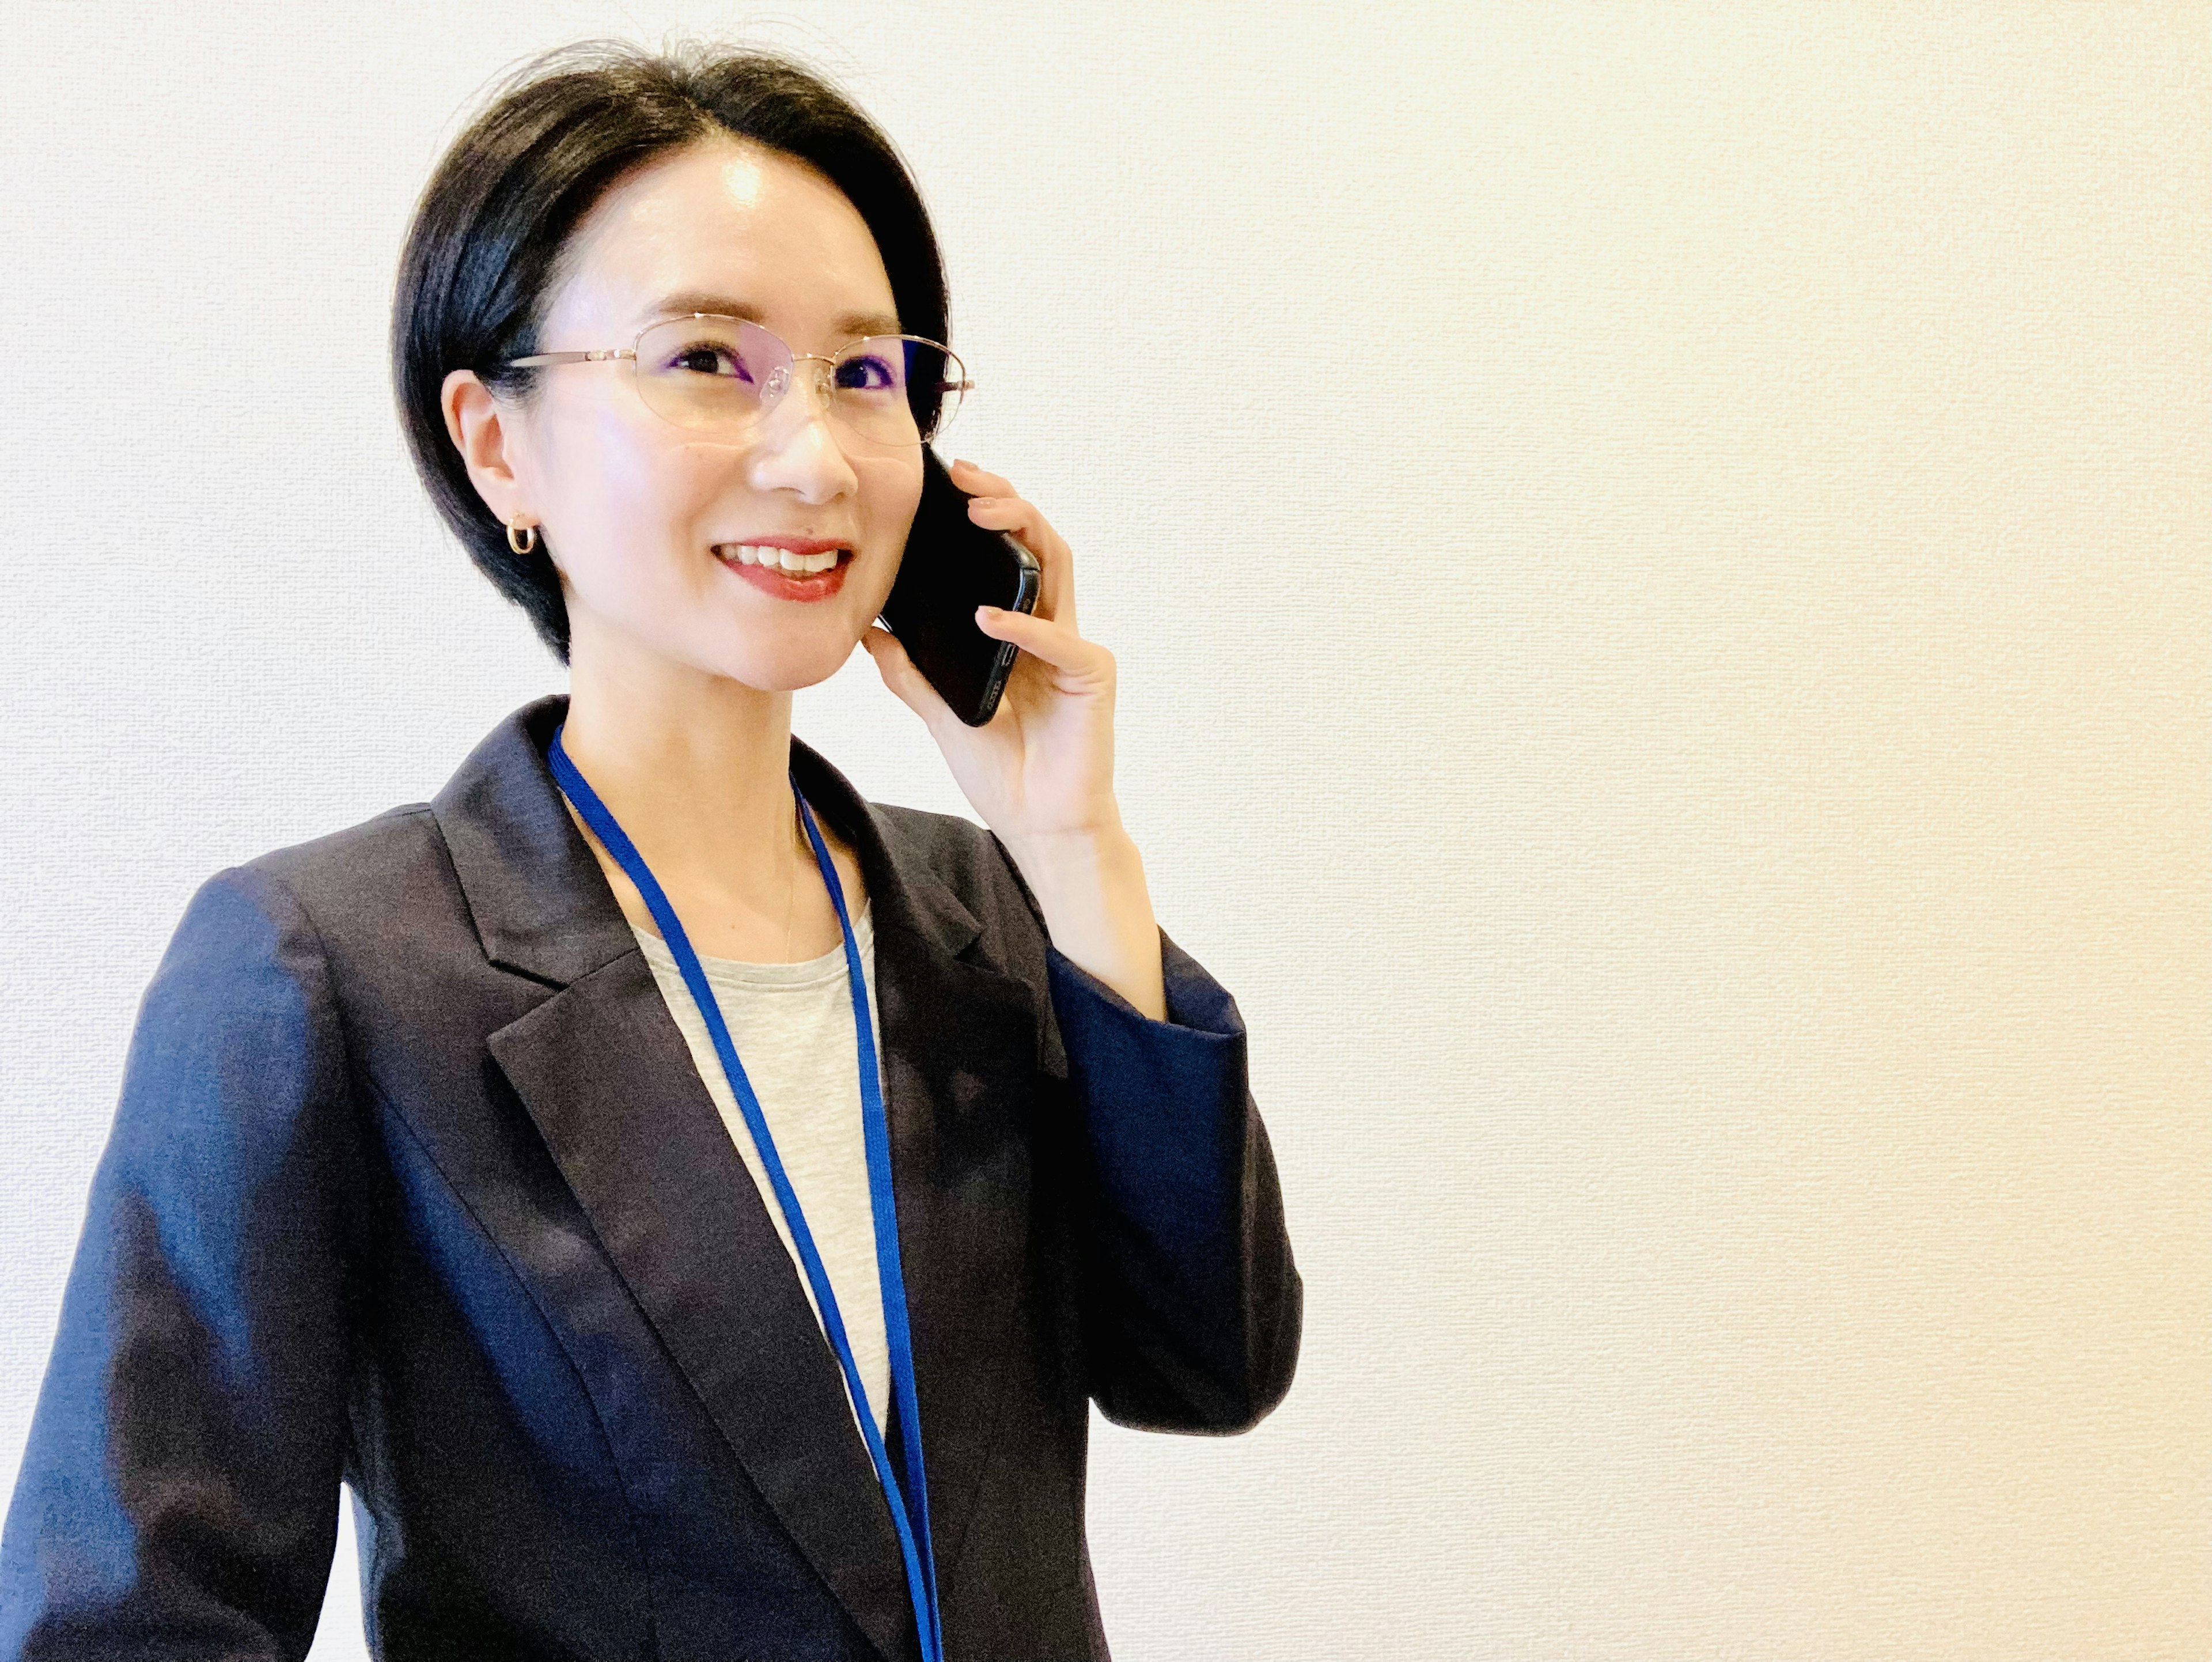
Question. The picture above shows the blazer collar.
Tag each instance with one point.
(540, 902)
(605, 1075)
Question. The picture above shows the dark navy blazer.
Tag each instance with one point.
(413, 1182)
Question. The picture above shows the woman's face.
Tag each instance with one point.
(643, 518)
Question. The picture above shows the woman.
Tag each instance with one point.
(644, 1324)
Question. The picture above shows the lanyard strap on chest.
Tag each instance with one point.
(909, 1502)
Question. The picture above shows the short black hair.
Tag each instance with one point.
(485, 243)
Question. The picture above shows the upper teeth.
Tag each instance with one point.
(759, 554)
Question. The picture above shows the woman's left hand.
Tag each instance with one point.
(1041, 770)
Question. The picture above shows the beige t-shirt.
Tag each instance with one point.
(793, 1027)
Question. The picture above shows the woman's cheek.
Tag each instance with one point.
(893, 493)
(900, 496)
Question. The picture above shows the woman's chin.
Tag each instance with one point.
(788, 666)
(782, 654)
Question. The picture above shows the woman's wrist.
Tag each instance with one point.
(1090, 886)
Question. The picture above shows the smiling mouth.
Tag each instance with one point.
(784, 573)
(780, 559)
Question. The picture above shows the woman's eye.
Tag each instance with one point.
(867, 374)
(708, 359)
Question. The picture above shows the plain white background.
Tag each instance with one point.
(1658, 555)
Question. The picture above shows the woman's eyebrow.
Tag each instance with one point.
(851, 322)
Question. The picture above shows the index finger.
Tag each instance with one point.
(1020, 519)
(976, 482)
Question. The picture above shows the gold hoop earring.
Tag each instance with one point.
(529, 539)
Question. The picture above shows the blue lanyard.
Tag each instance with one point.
(909, 1516)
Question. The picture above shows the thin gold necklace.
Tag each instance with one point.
(791, 880)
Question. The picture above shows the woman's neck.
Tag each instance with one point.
(695, 769)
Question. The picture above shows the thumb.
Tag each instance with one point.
(908, 684)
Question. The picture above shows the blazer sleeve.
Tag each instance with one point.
(1194, 1307)
(180, 1492)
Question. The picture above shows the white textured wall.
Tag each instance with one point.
(1658, 555)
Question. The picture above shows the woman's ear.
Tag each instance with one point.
(479, 426)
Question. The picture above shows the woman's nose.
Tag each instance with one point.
(797, 449)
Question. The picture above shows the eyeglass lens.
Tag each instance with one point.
(726, 373)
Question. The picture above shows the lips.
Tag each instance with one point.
(762, 565)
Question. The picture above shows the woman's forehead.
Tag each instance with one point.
(728, 217)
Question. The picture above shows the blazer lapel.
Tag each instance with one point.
(606, 1077)
(959, 1045)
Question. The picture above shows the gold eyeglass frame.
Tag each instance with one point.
(603, 354)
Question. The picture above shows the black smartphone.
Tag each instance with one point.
(952, 566)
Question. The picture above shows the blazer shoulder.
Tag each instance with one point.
(974, 866)
(360, 873)
(969, 863)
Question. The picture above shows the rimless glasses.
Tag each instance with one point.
(721, 375)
